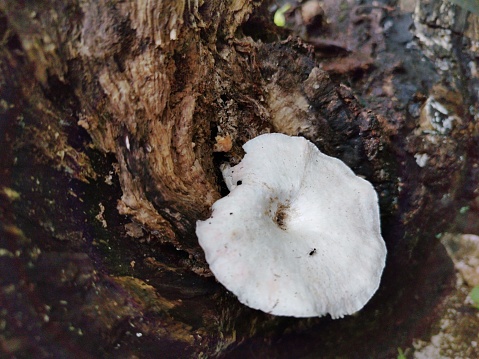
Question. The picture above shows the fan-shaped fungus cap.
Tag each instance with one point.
(299, 233)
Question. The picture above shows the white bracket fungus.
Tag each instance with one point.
(299, 233)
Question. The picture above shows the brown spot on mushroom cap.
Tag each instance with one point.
(281, 215)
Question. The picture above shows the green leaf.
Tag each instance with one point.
(279, 18)
(401, 354)
(475, 296)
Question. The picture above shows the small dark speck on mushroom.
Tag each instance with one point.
(239, 183)
(313, 252)
(231, 213)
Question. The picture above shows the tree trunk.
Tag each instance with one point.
(115, 118)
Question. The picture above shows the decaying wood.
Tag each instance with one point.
(115, 117)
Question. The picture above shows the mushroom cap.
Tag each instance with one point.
(298, 234)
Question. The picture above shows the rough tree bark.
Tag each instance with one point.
(115, 117)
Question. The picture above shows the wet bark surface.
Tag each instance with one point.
(115, 118)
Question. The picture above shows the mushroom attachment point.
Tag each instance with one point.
(305, 237)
